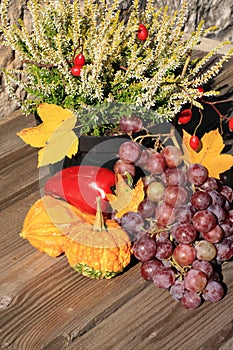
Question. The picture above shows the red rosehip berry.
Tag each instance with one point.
(200, 90)
(79, 60)
(142, 32)
(194, 142)
(76, 70)
(230, 124)
(184, 116)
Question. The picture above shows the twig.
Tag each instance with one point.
(186, 64)
(39, 64)
(123, 68)
(200, 121)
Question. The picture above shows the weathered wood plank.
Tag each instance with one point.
(36, 284)
(67, 303)
(152, 320)
(13, 248)
(18, 179)
(11, 146)
(47, 291)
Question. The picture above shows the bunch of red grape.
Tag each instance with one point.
(183, 228)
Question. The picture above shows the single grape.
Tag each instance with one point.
(177, 290)
(227, 227)
(205, 251)
(227, 193)
(224, 250)
(227, 205)
(184, 233)
(217, 198)
(174, 177)
(216, 277)
(184, 254)
(155, 191)
(175, 196)
(204, 266)
(197, 174)
(200, 200)
(144, 248)
(142, 158)
(195, 280)
(213, 292)
(147, 180)
(230, 215)
(191, 300)
(129, 151)
(148, 267)
(184, 213)
(204, 221)
(146, 208)
(172, 156)
(230, 238)
(130, 124)
(164, 277)
(210, 184)
(164, 214)
(219, 212)
(123, 168)
(155, 163)
(132, 222)
(215, 235)
(142, 233)
(164, 248)
(165, 234)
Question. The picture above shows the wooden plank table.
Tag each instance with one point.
(44, 304)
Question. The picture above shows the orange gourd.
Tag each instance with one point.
(95, 247)
(101, 250)
(47, 223)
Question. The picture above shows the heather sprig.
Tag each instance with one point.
(158, 74)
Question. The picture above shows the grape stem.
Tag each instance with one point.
(182, 269)
(171, 135)
(158, 230)
(173, 138)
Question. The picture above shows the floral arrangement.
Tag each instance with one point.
(81, 55)
(82, 63)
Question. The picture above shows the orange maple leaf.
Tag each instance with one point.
(126, 198)
(210, 154)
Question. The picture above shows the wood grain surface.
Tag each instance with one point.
(44, 304)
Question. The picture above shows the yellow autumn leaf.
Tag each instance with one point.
(126, 198)
(53, 113)
(210, 154)
(54, 135)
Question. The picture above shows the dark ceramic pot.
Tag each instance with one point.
(93, 150)
(102, 150)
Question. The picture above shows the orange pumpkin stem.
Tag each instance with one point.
(99, 219)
